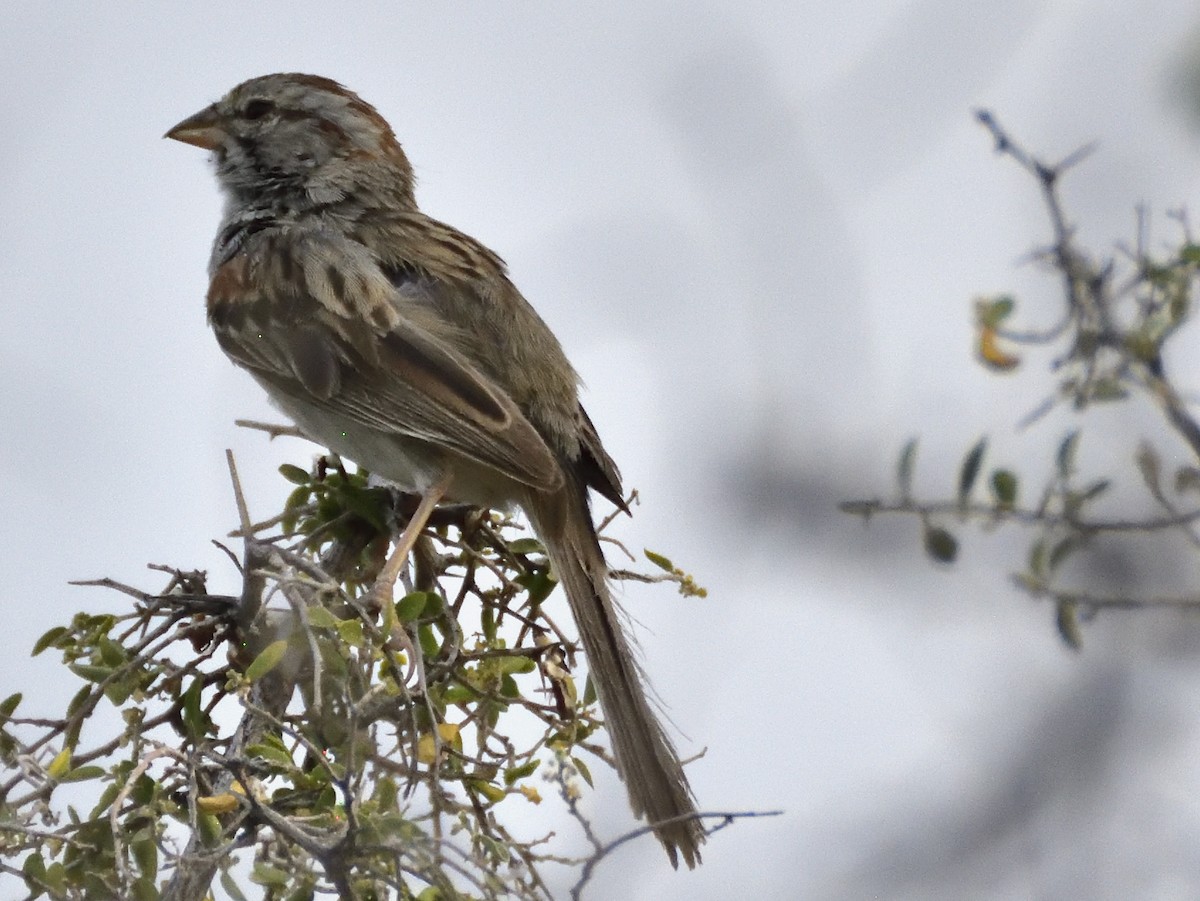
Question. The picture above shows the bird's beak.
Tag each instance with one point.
(201, 130)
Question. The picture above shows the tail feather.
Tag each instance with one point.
(658, 788)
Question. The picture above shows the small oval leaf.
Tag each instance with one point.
(60, 765)
(526, 546)
(267, 660)
(320, 618)
(659, 560)
(1066, 619)
(1065, 457)
(51, 637)
(411, 606)
(226, 802)
(1004, 488)
(294, 474)
(940, 544)
(992, 355)
(970, 470)
(83, 773)
(9, 705)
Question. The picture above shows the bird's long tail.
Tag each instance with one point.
(654, 777)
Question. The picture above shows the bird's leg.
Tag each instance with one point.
(385, 582)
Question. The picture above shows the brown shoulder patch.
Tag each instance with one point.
(228, 291)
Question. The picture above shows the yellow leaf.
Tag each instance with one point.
(215, 804)
(447, 733)
(991, 354)
(60, 765)
(426, 748)
(530, 793)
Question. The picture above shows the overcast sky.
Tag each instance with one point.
(757, 229)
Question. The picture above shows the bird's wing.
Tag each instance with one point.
(314, 316)
(597, 467)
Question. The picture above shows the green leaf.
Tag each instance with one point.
(118, 691)
(659, 560)
(49, 638)
(589, 692)
(231, 887)
(940, 544)
(970, 470)
(487, 624)
(111, 653)
(291, 508)
(493, 793)
(526, 546)
(145, 853)
(387, 795)
(509, 687)
(83, 773)
(1004, 488)
(144, 889)
(106, 798)
(517, 773)
(428, 641)
(1150, 466)
(210, 828)
(91, 673)
(369, 503)
(195, 722)
(144, 790)
(1065, 456)
(319, 617)
(77, 703)
(1104, 390)
(458, 694)
(265, 874)
(351, 632)
(1037, 560)
(1064, 549)
(905, 467)
(411, 606)
(581, 767)
(272, 754)
(537, 584)
(270, 657)
(56, 878)
(1187, 478)
(305, 892)
(1066, 619)
(9, 705)
(993, 313)
(33, 868)
(295, 474)
(516, 664)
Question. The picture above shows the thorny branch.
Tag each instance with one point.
(1114, 335)
(352, 748)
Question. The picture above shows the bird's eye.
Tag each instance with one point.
(257, 108)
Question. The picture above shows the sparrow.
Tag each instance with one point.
(400, 343)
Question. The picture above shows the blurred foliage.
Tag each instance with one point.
(1119, 312)
(306, 737)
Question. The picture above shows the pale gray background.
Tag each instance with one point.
(757, 228)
